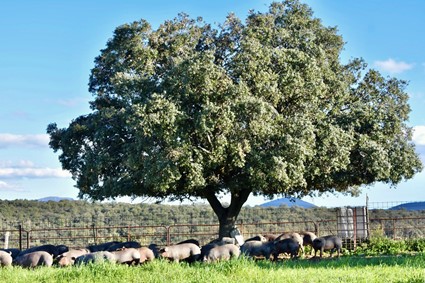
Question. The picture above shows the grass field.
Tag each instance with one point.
(407, 268)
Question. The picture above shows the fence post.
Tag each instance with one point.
(94, 234)
(128, 233)
(20, 236)
(394, 237)
(168, 235)
(6, 240)
(316, 228)
(381, 222)
(354, 227)
(367, 218)
(28, 239)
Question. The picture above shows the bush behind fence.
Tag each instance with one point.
(96, 232)
(32, 223)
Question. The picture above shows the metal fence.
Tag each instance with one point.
(25, 237)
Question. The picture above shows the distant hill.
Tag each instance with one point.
(288, 202)
(417, 205)
(53, 199)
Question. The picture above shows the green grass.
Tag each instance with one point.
(345, 269)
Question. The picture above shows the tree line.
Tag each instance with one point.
(81, 213)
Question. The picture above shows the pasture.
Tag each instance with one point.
(402, 268)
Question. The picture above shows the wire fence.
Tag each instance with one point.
(389, 204)
(25, 237)
(200, 223)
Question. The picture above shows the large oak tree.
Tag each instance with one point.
(263, 107)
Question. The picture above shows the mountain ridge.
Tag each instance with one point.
(53, 198)
(290, 202)
(417, 205)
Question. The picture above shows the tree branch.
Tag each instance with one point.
(237, 201)
(212, 199)
(204, 149)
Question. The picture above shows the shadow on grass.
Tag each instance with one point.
(417, 260)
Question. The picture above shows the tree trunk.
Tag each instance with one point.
(227, 216)
(227, 224)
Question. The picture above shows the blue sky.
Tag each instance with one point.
(48, 48)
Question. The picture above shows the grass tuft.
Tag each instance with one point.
(405, 268)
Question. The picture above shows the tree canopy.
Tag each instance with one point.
(261, 107)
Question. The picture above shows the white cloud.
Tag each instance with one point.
(27, 169)
(419, 139)
(19, 164)
(419, 135)
(31, 172)
(4, 185)
(9, 140)
(392, 66)
(8, 187)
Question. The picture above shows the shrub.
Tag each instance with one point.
(385, 246)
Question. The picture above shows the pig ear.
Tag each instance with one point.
(166, 249)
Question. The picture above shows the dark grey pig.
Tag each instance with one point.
(292, 235)
(258, 237)
(257, 249)
(308, 238)
(51, 249)
(154, 248)
(188, 252)
(101, 247)
(34, 259)
(289, 246)
(327, 243)
(223, 252)
(95, 257)
(5, 258)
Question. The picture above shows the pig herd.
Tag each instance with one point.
(270, 247)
